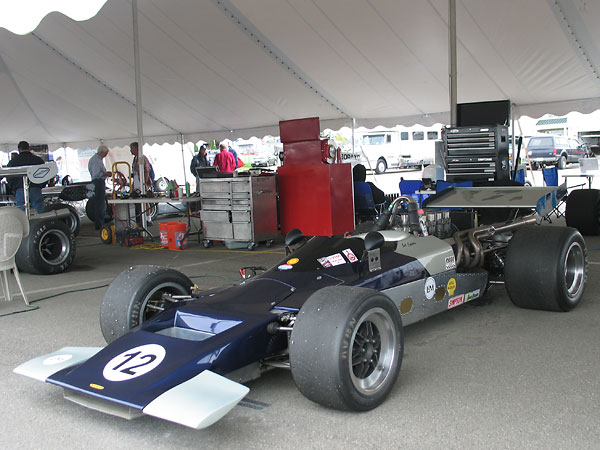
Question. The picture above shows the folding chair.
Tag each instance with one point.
(364, 206)
(13, 227)
(550, 175)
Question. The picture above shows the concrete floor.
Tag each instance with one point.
(486, 375)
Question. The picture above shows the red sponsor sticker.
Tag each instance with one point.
(350, 255)
(456, 301)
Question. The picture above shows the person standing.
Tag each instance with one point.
(147, 179)
(235, 155)
(99, 173)
(225, 160)
(135, 151)
(26, 158)
(199, 160)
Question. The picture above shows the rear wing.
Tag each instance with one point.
(542, 199)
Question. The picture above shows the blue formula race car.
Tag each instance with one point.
(332, 311)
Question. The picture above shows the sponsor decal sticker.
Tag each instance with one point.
(56, 359)
(350, 255)
(285, 267)
(96, 386)
(293, 261)
(471, 295)
(134, 363)
(324, 262)
(450, 262)
(456, 301)
(429, 288)
(336, 260)
(451, 286)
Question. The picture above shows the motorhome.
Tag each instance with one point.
(401, 148)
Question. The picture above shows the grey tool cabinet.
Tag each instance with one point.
(241, 211)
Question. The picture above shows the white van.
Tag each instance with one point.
(398, 149)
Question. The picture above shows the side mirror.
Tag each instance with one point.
(293, 237)
(373, 240)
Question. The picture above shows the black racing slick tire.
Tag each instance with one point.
(346, 348)
(48, 249)
(91, 214)
(72, 220)
(135, 296)
(583, 211)
(546, 268)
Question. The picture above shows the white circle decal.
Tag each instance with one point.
(133, 363)
(429, 288)
(56, 359)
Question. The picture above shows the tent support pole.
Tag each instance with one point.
(138, 106)
(138, 97)
(452, 59)
(183, 160)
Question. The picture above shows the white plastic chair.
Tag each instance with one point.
(13, 227)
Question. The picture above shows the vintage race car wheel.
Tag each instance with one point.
(346, 348)
(546, 268)
(48, 249)
(135, 296)
(73, 221)
(381, 166)
(583, 211)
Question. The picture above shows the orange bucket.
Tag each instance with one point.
(177, 235)
(164, 233)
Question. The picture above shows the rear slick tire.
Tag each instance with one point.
(346, 348)
(546, 268)
(48, 249)
(583, 211)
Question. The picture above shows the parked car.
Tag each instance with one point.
(264, 161)
(555, 150)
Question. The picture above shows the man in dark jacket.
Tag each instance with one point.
(199, 160)
(26, 158)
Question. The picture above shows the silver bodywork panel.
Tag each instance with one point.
(198, 402)
(42, 367)
(445, 291)
(433, 253)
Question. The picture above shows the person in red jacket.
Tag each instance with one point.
(224, 160)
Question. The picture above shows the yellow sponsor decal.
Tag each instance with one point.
(293, 261)
(96, 386)
(451, 286)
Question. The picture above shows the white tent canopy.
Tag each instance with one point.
(234, 68)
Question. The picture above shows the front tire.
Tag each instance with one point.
(346, 348)
(381, 166)
(48, 249)
(134, 296)
(546, 268)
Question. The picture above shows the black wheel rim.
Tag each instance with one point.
(374, 351)
(54, 247)
(154, 303)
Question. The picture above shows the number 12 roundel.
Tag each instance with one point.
(133, 363)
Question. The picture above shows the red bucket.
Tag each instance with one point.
(164, 233)
(177, 235)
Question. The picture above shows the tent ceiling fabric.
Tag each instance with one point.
(234, 68)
